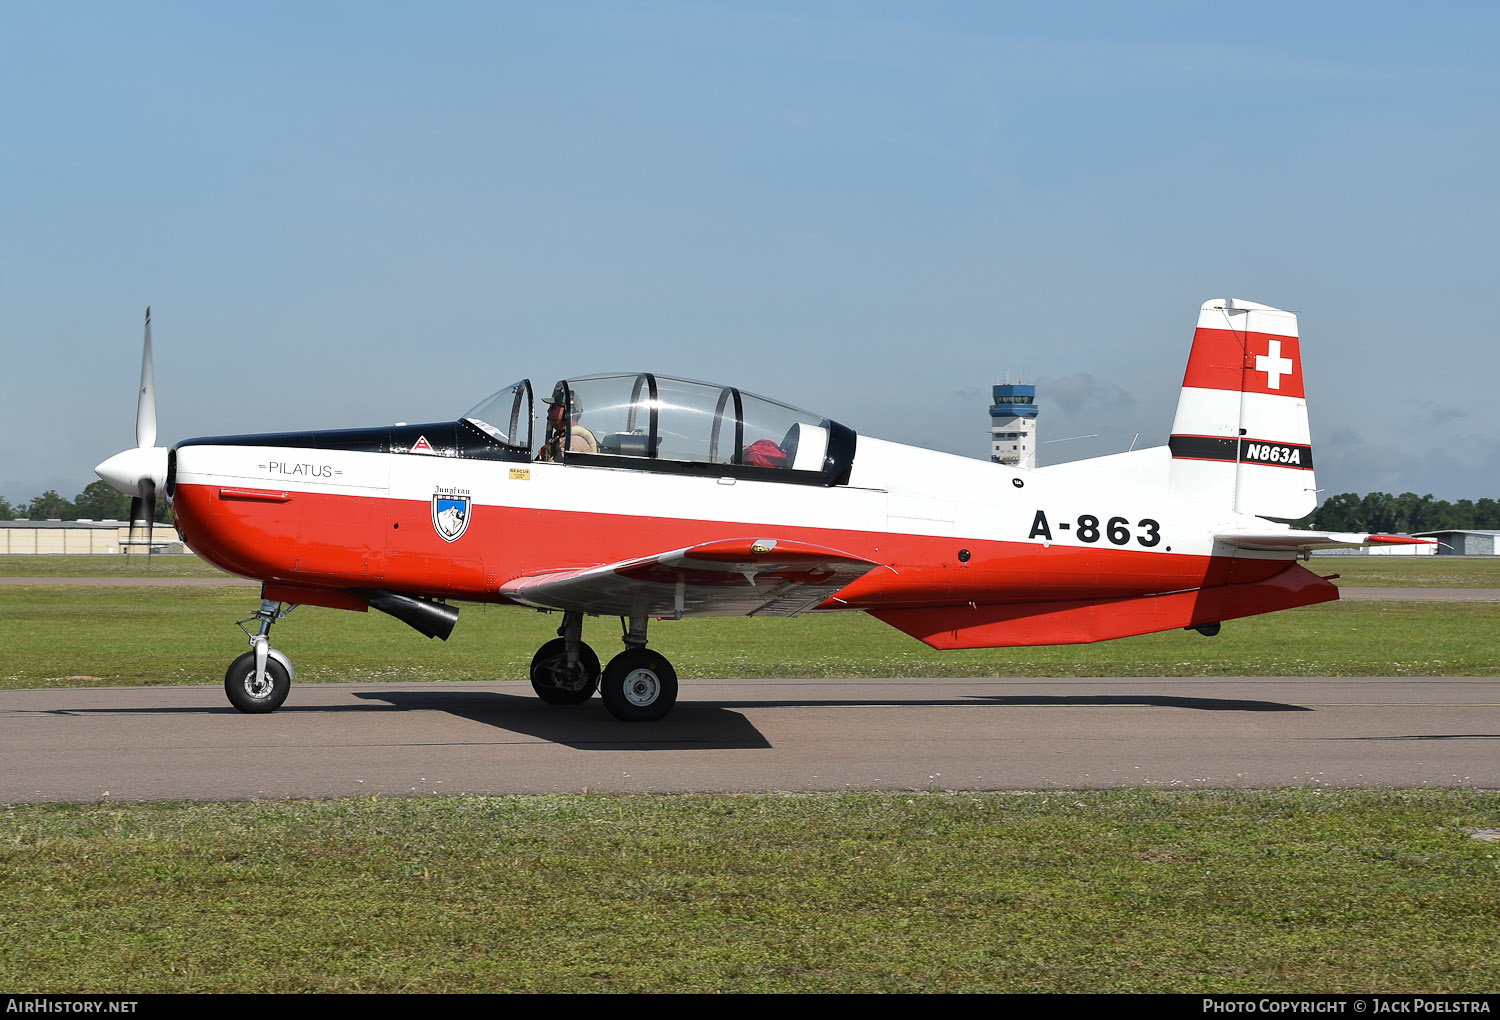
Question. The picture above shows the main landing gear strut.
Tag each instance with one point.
(259, 680)
(638, 685)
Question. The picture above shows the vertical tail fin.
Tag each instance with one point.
(1240, 439)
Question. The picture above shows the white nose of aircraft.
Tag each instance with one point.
(127, 469)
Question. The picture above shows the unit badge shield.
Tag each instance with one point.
(451, 509)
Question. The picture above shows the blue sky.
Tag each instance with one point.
(354, 213)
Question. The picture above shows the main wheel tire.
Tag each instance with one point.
(639, 686)
(248, 696)
(554, 683)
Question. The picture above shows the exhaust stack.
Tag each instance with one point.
(434, 619)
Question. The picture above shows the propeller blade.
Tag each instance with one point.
(143, 516)
(145, 411)
(148, 490)
(137, 505)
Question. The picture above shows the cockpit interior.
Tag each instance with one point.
(659, 423)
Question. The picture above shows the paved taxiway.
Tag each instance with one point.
(752, 735)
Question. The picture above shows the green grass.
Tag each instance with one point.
(107, 566)
(1118, 891)
(1410, 571)
(89, 637)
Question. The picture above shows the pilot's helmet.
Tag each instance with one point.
(575, 403)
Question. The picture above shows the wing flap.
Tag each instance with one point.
(730, 577)
(1286, 541)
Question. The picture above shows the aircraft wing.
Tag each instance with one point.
(1284, 541)
(730, 577)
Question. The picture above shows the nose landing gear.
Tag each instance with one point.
(259, 680)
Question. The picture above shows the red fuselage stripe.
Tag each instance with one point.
(339, 541)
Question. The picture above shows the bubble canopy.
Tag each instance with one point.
(663, 423)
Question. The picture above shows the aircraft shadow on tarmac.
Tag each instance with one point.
(697, 725)
(717, 724)
(1150, 701)
(1429, 736)
(586, 727)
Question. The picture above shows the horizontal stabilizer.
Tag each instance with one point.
(732, 577)
(1287, 541)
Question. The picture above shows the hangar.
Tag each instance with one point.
(1471, 542)
(52, 538)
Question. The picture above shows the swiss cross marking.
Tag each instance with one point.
(1274, 365)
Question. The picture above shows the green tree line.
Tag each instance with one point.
(99, 501)
(1382, 512)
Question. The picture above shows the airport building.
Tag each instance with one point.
(83, 538)
(1479, 542)
(1013, 425)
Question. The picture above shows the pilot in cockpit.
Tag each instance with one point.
(561, 423)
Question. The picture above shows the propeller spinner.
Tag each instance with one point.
(140, 471)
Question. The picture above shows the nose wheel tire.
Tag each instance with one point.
(248, 695)
(555, 683)
(639, 686)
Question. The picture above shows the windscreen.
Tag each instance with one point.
(505, 415)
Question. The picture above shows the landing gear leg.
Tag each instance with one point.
(638, 685)
(259, 680)
(565, 671)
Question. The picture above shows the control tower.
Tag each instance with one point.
(1013, 425)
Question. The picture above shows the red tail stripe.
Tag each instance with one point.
(1224, 359)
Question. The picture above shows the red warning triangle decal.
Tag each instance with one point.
(422, 446)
